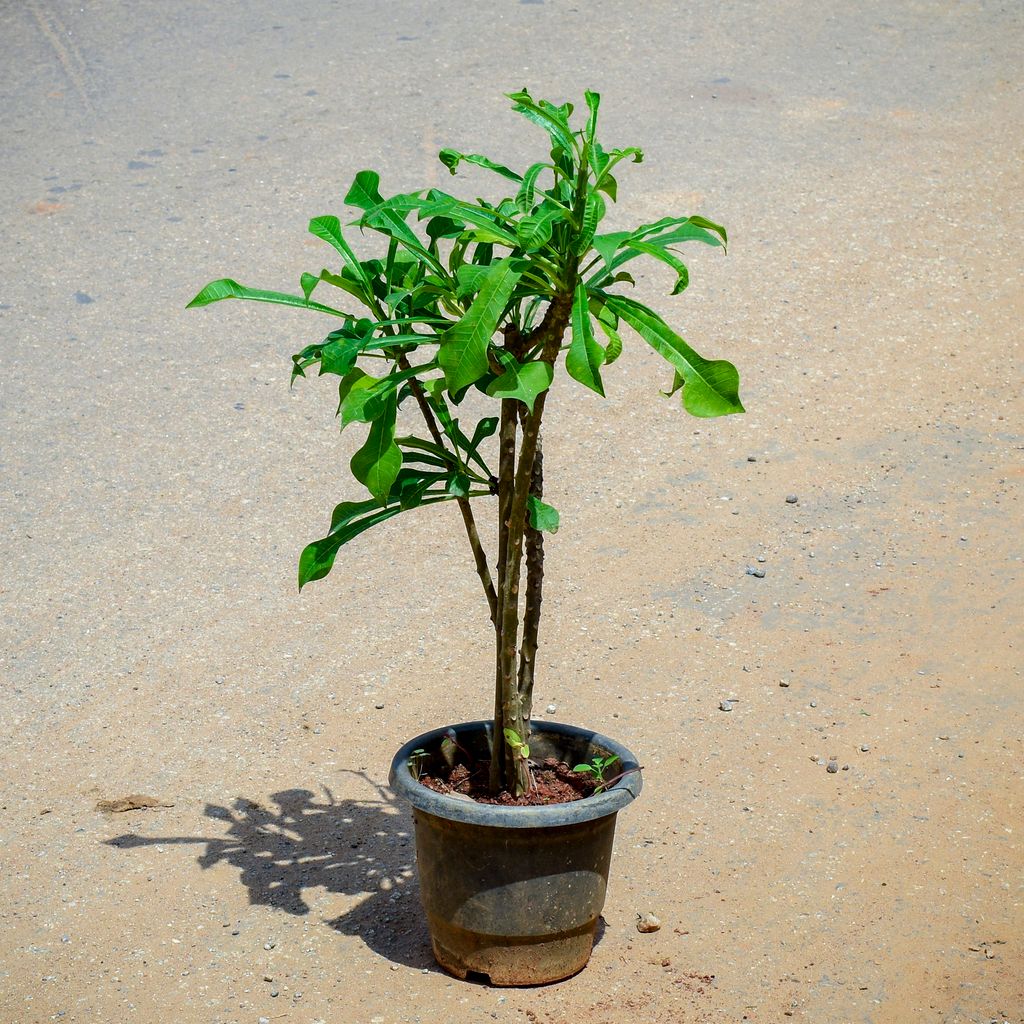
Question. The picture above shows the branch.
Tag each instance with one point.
(464, 507)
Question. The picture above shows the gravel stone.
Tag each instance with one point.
(832, 767)
(791, 499)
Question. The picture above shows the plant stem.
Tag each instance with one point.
(534, 551)
(506, 481)
(549, 335)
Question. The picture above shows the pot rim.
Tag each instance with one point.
(599, 805)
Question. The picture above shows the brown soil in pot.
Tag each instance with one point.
(554, 783)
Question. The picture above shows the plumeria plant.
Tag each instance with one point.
(497, 298)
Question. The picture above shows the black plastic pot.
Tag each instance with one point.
(514, 893)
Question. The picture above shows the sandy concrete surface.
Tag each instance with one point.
(159, 480)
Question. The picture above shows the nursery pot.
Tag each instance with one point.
(513, 893)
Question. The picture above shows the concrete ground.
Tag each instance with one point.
(159, 480)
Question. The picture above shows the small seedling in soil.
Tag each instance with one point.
(597, 767)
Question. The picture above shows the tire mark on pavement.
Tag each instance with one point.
(68, 54)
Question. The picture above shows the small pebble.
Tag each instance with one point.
(264, 1020)
(751, 458)
(269, 945)
(846, 767)
(379, 707)
(761, 558)
(813, 704)
(832, 767)
(274, 993)
(268, 977)
(725, 705)
(647, 923)
(791, 499)
(551, 709)
(784, 683)
(759, 573)
(864, 748)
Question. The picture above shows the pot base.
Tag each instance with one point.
(511, 961)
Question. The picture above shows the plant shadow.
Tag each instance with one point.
(348, 846)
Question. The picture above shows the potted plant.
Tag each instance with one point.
(494, 299)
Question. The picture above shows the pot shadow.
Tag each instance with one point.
(350, 847)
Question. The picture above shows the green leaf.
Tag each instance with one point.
(364, 191)
(703, 222)
(593, 213)
(552, 119)
(484, 429)
(535, 230)
(440, 203)
(685, 231)
(470, 278)
(339, 355)
(357, 397)
(712, 386)
(329, 229)
(458, 485)
(593, 102)
(388, 215)
(451, 159)
(665, 256)
(443, 227)
(225, 288)
(410, 486)
(432, 454)
(463, 353)
(542, 517)
(347, 383)
(584, 358)
(368, 398)
(608, 245)
(614, 347)
(523, 381)
(377, 463)
(317, 558)
(609, 186)
(524, 197)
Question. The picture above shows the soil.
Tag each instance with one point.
(158, 480)
(554, 782)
